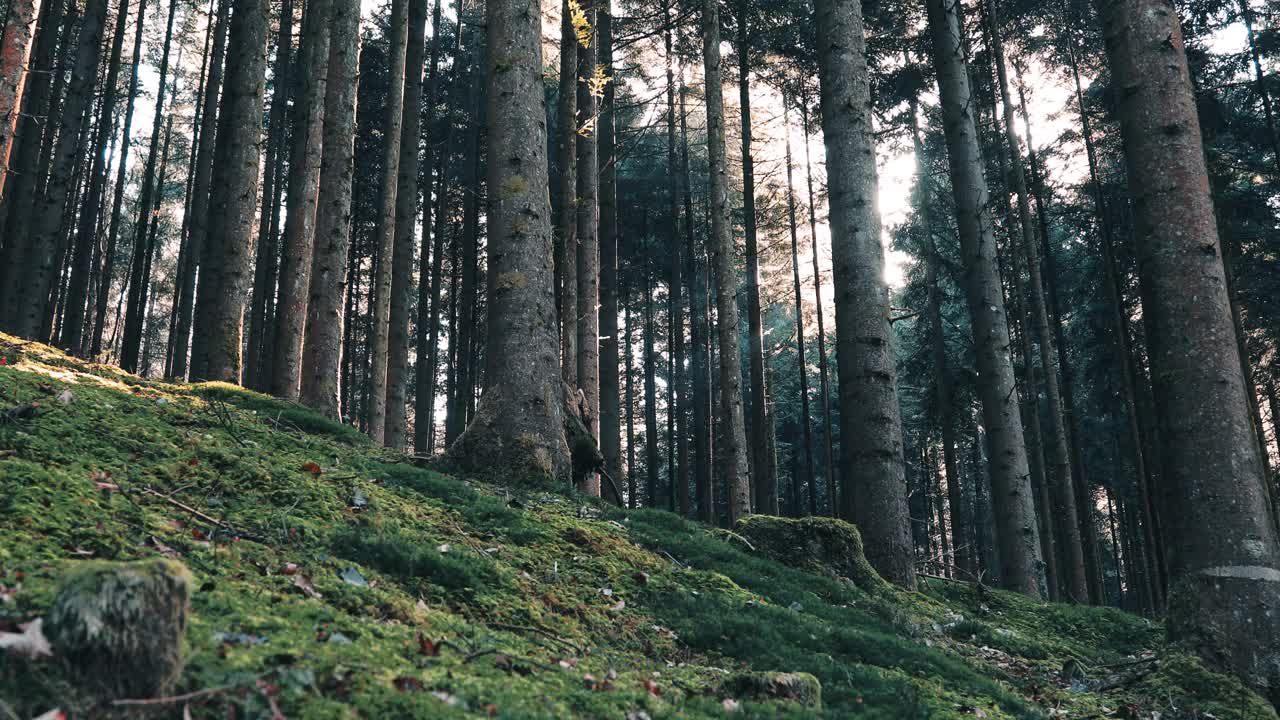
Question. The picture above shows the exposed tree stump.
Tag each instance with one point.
(117, 628)
(798, 687)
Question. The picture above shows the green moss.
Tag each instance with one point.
(544, 605)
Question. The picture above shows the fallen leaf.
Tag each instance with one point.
(730, 705)
(352, 576)
(311, 467)
(443, 548)
(31, 642)
(289, 569)
(652, 688)
(303, 583)
(65, 397)
(427, 646)
(161, 548)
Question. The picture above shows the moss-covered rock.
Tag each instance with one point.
(799, 687)
(824, 545)
(117, 628)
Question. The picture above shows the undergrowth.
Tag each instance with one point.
(333, 579)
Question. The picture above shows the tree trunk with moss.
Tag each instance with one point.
(610, 427)
(519, 424)
(1224, 554)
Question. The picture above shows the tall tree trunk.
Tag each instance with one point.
(430, 260)
(49, 215)
(765, 480)
(1075, 584)
(1224, 555)
(610, 432)
(870, 423)
(1011, 492)
(224, 282)
(323, 347)
(20, 188)
(1260, 83)
(139, 282)
(823, 385)
(632, 491)
(519, 423)
(802, 363)
(961, 516)
(699, 361)
(588, 271)
(198, 229)
(301, 203)
(678, 389)
(385, 228)
(566, 263)
(15, 51)
(723, 254)
(73, 325)
(650, 398)
(117, 203)
(396, 423)
(467, 271)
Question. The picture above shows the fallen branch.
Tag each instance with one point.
(740, 539)
(545, 633)
(175, 698)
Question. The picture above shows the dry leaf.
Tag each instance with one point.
(31, 642)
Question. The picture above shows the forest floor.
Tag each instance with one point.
(333, 579)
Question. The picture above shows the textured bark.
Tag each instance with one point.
(396, 423)
(49, 215)
(224, 282)
(322, 355)
(139, 279)
(961, 515)
(871, 458)
(15, 49)
(385, 227)
(566, 251)
(723, 254)
(802, 364)
(650, 399)
(833, 504)
(632, 490)
(198, 228)
(588, 271)
(86, 240)
(301, 203)
(763, 466)
(519, 423)
(1011, 493)
(610, 387)
(699, 362)
(20, 185)
(679, 387)
(1224, 555)
(1075, 584)
(462, 394)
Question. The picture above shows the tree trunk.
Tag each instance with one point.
(15, 48)
(139, 282)
(588, 271)
(224, 282)
(51, 212)
(1075, 584)
(323, 351)
(519, 423)
(396, 423)
(302, 202)
(699, 362)
(566, 161)
(1224, 556)
(384, 230)
(610, 431)
(73, 324)
(632, 491)
(678, 388)
(961, 517)
(198, 230)
(871, 426)
(1011, 492)
(650, 398)
(723, 254)
(802, 365)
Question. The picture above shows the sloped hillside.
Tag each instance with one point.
(331, 579)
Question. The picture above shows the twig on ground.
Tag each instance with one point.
(540, 631)
(174, 698)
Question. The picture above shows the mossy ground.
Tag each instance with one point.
(334, 580)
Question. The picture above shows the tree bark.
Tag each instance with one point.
(802, 364)
(566, 162)
(588, 271)
(699, 361)
(15, 49)
(224, 282)
(723, 254)
(679, 388)
(650, 398)
(1011, 492)
(610, 387)
(322, 346)
(198, 229)
(1224, 554)
(871, 426)
(384, 230)
(519, 423)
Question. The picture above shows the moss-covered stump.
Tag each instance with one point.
(796, 686)
(117, 628)
(825, 545)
